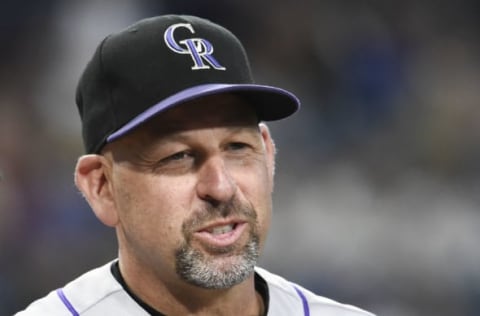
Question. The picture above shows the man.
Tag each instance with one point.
(180, 163)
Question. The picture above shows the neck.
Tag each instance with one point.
(173, 296)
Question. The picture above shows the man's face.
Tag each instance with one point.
(192, 189)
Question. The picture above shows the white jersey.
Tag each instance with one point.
(98, 293)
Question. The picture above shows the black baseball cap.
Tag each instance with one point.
(161, 62)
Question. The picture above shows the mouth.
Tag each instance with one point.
(223, 229)
(221, 234)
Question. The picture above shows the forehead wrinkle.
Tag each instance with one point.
(184, 135)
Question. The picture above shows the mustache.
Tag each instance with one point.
(211, 212)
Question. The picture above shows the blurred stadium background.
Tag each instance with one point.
(377, 200)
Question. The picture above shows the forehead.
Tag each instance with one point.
(225, 110)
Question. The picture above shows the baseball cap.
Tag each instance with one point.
(162, 62)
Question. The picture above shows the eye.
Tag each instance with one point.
(177, 156)
(237, 146)
(177, 162)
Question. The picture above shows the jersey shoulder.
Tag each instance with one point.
(96, 292)
(288, 298)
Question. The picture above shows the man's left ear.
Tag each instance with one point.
(269, 148)
(92, 180)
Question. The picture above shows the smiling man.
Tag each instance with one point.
(181, 165)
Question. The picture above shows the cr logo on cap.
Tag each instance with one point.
(199, 49)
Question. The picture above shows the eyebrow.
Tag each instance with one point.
(152, 138)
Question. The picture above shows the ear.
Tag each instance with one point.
(269, 149)
(92, 179)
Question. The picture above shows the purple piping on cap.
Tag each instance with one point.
(193, 93)
(67, 303)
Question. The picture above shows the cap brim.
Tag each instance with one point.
(271, 103)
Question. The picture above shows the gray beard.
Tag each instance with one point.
(223, 270)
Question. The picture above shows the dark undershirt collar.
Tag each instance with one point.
(260, 286)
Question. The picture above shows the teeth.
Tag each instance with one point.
(221, 229)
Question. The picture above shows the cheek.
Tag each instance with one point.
(265, 216)
(256, 189)
(150, 211)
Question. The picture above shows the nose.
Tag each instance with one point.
(215, 183)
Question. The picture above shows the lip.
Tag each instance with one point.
(221, 240)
